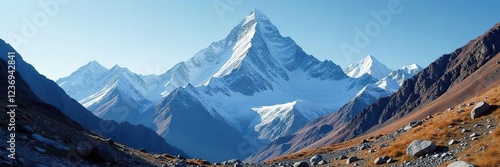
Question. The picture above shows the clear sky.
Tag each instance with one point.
(150, 37)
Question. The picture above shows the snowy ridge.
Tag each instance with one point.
(395, 79)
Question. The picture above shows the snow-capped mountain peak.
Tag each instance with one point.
(367, 65)
(412, 69)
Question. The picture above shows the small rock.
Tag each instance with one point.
(371, 151)
(315, 159)
(383, 145)
(143, 150)
(451, 142)
(380, 160)
(490, 127)
(420, 147)
(343, 156)
(475, 138)
(460, 111)
(40, 150)
(110, 141)
(301, 164)
(160, 157)
(411, 125)
(390, 160)
(351, 160)
(474, 135)
(480, 109)
(238, 164)
(465, 130)
(460, 164)
(444, 155)
(322, 162)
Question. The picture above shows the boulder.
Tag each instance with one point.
(315, 159)
(351, 160)
(411, 125)
(105, 153)
(301, 164)
(50, 142)
(84, 149)
(460, 164)
(238, 164)
(480, 109)
(420, 147)
(381, 160)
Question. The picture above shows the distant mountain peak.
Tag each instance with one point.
(368, 65)
(94, 65)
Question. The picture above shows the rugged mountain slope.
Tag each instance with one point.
(368, 65)
(461, 74)
(317, 129)
(50, 93)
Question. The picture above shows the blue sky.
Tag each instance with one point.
(150, 37)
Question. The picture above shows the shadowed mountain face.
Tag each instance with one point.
(49, 92)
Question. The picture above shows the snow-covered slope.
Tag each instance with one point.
(395, 79)
(114, 94)
(367, 65)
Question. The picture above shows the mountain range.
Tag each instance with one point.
(47, 91)
(449, 80)
(237, 95)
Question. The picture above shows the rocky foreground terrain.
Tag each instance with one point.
(463, 135)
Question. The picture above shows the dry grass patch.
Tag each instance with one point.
(446, 126)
